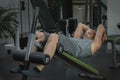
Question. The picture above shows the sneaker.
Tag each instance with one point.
(17, 69)
(34, 72)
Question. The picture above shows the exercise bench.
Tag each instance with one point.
(48, 25)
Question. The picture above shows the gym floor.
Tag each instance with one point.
(57, 70)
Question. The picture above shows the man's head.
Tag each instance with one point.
(89, 34)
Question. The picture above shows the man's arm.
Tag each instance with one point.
(79, 30)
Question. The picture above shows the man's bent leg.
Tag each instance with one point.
(98, 40)
(50, 48)
(40, 37)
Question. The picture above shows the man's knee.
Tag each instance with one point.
(40, 36)
(53, 37)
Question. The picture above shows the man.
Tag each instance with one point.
(85, 42)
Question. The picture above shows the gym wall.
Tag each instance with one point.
(113, 16)
(79, 13)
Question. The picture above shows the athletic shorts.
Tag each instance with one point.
(76, 47)
(83, 47)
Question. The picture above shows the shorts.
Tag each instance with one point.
(83, 47)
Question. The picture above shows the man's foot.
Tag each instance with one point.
(34, 72)
(17, 69)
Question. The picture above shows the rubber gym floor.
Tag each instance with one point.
(57, 70)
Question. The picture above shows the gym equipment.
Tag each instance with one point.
(114, 40)
(23, 31)
(34, 57)
(26, 56)
(48, 25)
(67, 26)
(94, 12)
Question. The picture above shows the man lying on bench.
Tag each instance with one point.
(85, 42)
